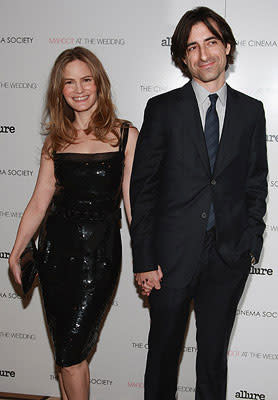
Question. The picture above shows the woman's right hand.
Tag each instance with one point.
(15, 268)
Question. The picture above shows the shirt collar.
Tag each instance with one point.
(202, 94)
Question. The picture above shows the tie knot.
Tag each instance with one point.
(213, 98)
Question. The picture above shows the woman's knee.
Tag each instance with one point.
(75, 369)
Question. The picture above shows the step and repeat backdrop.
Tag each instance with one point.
(132, 39)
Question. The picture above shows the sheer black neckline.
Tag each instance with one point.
(88, 154)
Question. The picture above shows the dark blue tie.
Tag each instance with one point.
(212, 141)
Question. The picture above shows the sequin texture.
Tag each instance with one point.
(80, 249)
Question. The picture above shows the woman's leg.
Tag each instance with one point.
(61, 384)
(75, 381)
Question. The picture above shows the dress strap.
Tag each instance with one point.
(124, 136)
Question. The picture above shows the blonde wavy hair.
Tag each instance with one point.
(59, 116)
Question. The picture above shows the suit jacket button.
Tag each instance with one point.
(213, 182)
(204, 215)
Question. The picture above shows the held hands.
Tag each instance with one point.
(15, 269)
(149, 280)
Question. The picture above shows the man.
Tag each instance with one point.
(198, 194)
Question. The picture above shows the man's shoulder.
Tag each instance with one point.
(245, 98)
(168, 98)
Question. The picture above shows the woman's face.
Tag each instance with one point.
(79, 90)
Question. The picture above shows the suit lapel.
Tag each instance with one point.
(230, 137)
(192, 123)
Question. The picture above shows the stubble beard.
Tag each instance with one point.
(208, 76)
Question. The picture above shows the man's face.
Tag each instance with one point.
(206, 55)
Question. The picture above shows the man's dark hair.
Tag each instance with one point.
(183, 29)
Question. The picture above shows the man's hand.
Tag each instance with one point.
(149, 280)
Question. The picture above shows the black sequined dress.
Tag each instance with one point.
(80, 249)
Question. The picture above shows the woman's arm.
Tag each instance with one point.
(129, 155)
(34, 212)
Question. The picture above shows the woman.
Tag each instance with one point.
(86, 162)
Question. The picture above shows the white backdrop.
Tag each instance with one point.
(132, 40)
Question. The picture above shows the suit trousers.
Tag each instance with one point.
(216, 290)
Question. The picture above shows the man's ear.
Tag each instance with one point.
(228, 48)
(184, 60)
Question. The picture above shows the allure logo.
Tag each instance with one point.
(243, 394)
(7, 129)
(166, 42)
(6, 373)
(4, 254)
